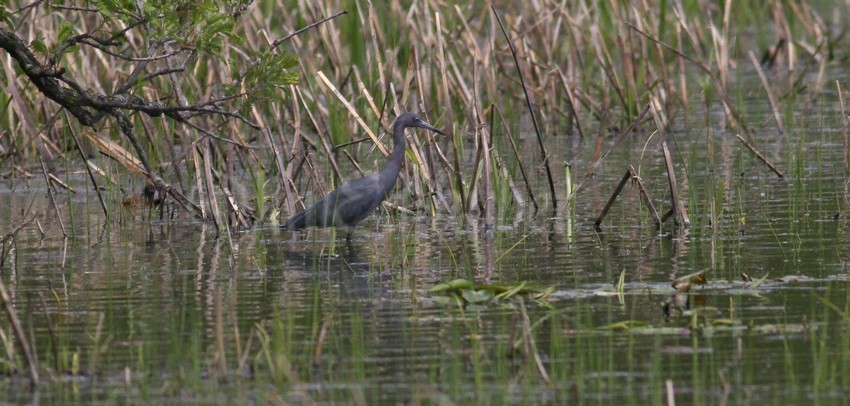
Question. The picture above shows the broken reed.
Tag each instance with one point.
(593, 64)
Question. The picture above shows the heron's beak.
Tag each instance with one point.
(422, 124)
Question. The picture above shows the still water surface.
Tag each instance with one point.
(139, 308)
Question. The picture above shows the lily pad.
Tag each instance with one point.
(684, 283)
(626, 325)
(477, 296)
(457, 284)
(465, 292)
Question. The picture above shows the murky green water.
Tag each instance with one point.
(135, 308)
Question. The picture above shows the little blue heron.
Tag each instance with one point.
(350, 203)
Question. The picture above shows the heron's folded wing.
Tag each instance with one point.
(357, 199)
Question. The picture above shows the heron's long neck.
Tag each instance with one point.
(393, 166)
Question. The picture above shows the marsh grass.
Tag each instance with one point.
(382, 60)
(583, 70)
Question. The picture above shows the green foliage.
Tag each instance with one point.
(66, 30)
(262, 79)
(201, 25)
(272, 70)
(258, 175)
(39, 46)
(236, 7)
(123, 10)
(5, 15)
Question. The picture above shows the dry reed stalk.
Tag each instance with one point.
(603, 57)
(391, 95)
(644, 194)
(245, 353)
(41, 232)
(354, 162)
(369, 99)
(15, 230)
(770, 97)
(436, 194)
(291, 196)
(543, 84)
(327, 323)
(518, 157)
(683, 83)
(40, 134)
(465, 93)
(54, 346)
(721, 90)
(117, 152)
(760, 156)
(324, 138)
(678, 207)
(19, 106)
(11, 235)
(394, 207)
(220, 354)
(328, 148)
(530, 344)
(600, 134)
(423, 175)
(670, 393)
(611, 200)
(481, 155)
(321, 188)
(52, 195)
(476, 172)
(627, 58)
(724, 62)
(622, 136)
(329, 37)
(96, 345)
(375, 33)
(666, 75)
(424, 172)
(353, 112)
(296, 127)
(589, 102)
(819, 82)
(233, 204)
(498, 161)
(182, 100)
(842, 110)
(471, 41)
(279, 41)
(571, 101)
(18, 330)
(473, 181)
(199, 183)
(544, 154)
(450, 132)
(217, 219)
(55, 179)
(176, 163)
(281, 168)
(709, 134)
(409, 77)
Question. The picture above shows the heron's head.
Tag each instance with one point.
(412, 120)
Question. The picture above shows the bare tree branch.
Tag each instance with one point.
(90, 107)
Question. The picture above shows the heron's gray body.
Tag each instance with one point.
(357, 199)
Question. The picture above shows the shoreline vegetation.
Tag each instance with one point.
(235, 115)
(297, 97)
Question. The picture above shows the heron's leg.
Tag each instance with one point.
(350, 247)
